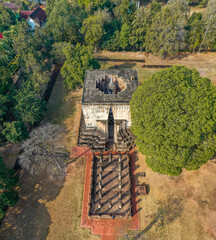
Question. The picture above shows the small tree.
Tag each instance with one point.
(43, 151)
(29, 108)
(8, 197)
(124, 36)
(79, 59)
(93, 28)
(174, 118)
(15, 131)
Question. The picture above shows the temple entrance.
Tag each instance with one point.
(110, 126)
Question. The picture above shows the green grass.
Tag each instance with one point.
(61, 104)
(143, 73)
(146, 73)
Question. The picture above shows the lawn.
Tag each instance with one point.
(203, 62)
(143, 73)
(48, 209)
(182, 207)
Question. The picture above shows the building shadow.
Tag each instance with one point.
(124, 65)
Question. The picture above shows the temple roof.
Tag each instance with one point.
(92, 94)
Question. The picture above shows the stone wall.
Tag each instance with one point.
(95, 112)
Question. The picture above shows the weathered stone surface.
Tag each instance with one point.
(106, 109)
(92, 94)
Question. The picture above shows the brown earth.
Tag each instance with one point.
(48, 209)
(177, 208)
(203, 62)
(182, 207)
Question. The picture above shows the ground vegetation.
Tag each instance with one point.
(8, 180)
(173, 117)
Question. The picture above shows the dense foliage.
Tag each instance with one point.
(8, 196)
(15, 131)
(25, 55)
(174, 119)
(78, 60)
(7, 18)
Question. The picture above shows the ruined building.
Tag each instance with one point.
(106, 116)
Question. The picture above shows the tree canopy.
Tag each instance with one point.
(29, 108)
(8, 197)
(64, 21)
(174, 118)
(78, 60)
(7, 18)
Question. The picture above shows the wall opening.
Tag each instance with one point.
(110, 126)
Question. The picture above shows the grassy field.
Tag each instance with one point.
(203, 62)
(176, 208)
(47, 209)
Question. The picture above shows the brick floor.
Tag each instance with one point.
(108, 228)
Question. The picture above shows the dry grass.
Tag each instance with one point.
(64, 108)
(65, 210)
(203, 62)
(47, 209)
(176, 208)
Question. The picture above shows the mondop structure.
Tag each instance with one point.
(106, 110)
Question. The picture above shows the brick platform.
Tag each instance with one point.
(108, 228)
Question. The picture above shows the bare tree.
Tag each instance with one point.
(43, 151)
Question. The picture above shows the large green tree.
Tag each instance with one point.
(7, 18)
(209, 20)
(5, 80)
(141, 23)
(15, 131)
(167, 33)
(194, 34)
(93, 28)
(78, 60)
(65, 20)
(174, 118)
(125, 10)
(8, 196)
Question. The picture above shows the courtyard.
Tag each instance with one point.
(182, 206)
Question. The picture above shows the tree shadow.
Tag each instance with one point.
(29, 218)
(167, 212)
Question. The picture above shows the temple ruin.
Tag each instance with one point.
(110, 187)
(106, 117)
(105, 125)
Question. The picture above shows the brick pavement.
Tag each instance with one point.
(108, 228)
